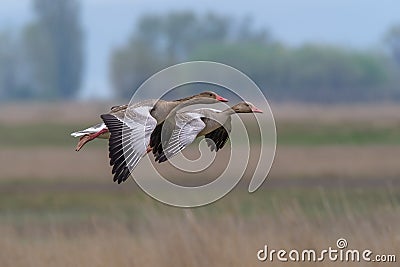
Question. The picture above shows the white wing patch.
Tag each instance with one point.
(206, 110)
(187, 126)
(137, 136)
(130, 136)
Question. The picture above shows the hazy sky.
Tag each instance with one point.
(107, 24)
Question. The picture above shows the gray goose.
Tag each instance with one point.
(182, 129)
(137, 123)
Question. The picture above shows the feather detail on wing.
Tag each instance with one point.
(130, 136)
(179, 134)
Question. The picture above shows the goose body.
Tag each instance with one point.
(185, 127)
(132, 129)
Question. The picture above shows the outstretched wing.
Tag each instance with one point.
(179, 134)
(219, 136)
(130, 136)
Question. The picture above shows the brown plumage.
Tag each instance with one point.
(183, 128)
(134, 129)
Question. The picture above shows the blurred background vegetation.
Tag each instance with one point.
(336, 172)
(46, 58)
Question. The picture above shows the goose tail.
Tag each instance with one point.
(91, 130)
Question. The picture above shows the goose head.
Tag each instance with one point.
(207, 97)
(246, 107)
(213, 96)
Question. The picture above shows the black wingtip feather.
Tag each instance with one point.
(219, 137)
(117, 159)
(155, 138)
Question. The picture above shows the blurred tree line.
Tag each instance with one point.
(319, 73)
(46, 60)
(161, 41)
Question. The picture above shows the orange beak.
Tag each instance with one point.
(220, 98)
(256, 110)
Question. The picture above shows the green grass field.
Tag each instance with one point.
(289, 133)
(73, 202)
(331, 179)
(337, 134)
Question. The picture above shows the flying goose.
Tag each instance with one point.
(129, 129)
(182, 129)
